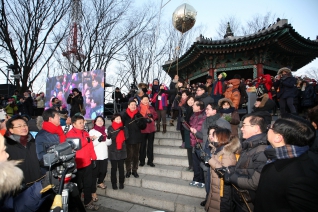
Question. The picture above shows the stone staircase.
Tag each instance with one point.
(166, 186)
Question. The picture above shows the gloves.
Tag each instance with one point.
(94, 164)
(227, 177)
(101, 138)
(220, 172)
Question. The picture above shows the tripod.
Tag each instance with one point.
(67, 188)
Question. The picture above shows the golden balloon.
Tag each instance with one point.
(183, 17)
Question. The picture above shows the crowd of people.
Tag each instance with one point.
(245, 164)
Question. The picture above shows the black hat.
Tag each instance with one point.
(209, 77)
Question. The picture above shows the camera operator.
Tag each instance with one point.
(50, 134)
(75, 99)
(83, 160)
(11, 178)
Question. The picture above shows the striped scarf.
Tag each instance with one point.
(286, 152)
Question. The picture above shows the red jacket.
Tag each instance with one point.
(85, 155)
(150, 126)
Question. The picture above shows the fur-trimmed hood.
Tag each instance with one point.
(221, 101)
(10, 177)
(142, 85)
(287, 70)
(233, 147)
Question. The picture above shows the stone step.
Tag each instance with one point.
(171, 160)
(167, 142)
(164, 184)
(169, 150)
(177, 172)
(169, 135)
(153, 198)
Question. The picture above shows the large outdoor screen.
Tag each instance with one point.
(91, 85)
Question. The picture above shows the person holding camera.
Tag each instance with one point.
(75, 99)
(83, 159)
(148, 134)
(223, 155)
(100, 141)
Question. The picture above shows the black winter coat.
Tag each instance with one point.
(134, 125)
(30, 165)
(75, 103)
(250, 164)
(307, 96)
(113, 152)
(28, 106)
(287, 87)
(288, 185)
(205, 98)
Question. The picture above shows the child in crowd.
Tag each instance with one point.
(230, 114)
(117, 150)
(83, 160)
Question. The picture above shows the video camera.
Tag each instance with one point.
(63, 152)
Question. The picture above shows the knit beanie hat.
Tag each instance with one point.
(224, 74)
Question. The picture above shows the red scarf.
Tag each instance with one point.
(120, 138)
(131, 113)
(218, 88)
(101, 130)
(144, 109)
(51, 128)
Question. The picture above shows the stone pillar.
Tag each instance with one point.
(260, 70)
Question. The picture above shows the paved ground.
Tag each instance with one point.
(113, 205)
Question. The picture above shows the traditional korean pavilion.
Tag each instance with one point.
(264, 52)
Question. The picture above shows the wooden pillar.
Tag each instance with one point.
(260, 70)
(211, 72)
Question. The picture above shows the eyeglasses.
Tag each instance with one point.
(199, 90)
(20, 126)
(246, 125)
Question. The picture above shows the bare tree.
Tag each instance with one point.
(312, 73)
(107, 26)
(258, 22)
(29, 35)
(234, 23)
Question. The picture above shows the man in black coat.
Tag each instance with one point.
(135, 122)
(21, 146)
(75, 99)
(247, 171)
(287, 87)
(201, 94)
(289, 180)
